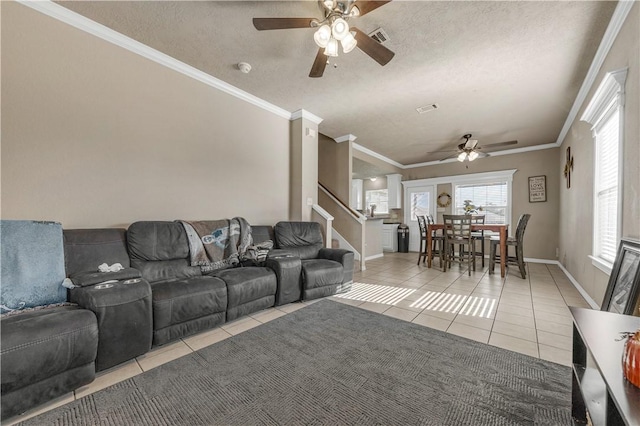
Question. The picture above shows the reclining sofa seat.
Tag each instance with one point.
(48, 352)
(185, 301)
(123, 306)
(325, 271)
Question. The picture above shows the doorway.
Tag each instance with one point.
(419, 200)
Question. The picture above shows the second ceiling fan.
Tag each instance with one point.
(333, 30)
(469, 149)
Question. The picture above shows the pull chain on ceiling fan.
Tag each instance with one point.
(334, 29)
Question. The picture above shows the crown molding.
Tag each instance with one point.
(345, 138)
(378, 156)
(617, 20)
(450, 160)
(302, 113)
(85, 24)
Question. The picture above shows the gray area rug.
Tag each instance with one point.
(333, 364)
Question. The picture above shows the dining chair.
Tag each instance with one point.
(422, 251)
(457, 231)
(437, 240)
(478, 236)
(517, 242)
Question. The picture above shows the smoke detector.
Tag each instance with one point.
(244, 67)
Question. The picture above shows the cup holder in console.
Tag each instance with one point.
(103, 286)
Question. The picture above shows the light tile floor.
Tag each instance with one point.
(529, 316)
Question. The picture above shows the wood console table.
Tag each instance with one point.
(502, 229)
(599, 391)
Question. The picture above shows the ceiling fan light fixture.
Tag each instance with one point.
(473, 155)
(322, 36)
(462, 156)
(329, 4)
(332, 48)
(339, 29)
(349, 43)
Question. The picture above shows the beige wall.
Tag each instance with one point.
(576, 203)
(94, 135)
(541, 236)
(334, 167)
(303, 168)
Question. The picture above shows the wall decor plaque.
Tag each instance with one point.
(537, 189)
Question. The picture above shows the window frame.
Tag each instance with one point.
(607, 100)
(366, 203)
(497, 177)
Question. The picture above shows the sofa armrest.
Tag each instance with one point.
(345, 257)
(83, 279)
(288, 271)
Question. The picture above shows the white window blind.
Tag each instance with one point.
(491, 197)
(607, 135)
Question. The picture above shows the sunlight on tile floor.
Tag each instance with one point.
(529, 316)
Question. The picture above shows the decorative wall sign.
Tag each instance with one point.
(444, 199)
(537, 189)
(568, 167)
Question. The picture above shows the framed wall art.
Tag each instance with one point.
(537, 189)
(623, 290)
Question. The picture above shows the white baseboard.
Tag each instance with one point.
(375, 256)
(578, 287)
(575, 283)
(547, 261)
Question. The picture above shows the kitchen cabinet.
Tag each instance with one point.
(394, 189)
(390, 237)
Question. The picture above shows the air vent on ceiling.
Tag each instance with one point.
(426, 108)
(379, 35)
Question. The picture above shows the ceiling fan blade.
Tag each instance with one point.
(450, 156)
(442, 150)
(281, 23)
(483, 154)
(367, 6)
(500, 144)
(378, 52)
(317, 69)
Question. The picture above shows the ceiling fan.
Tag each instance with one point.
(469, 149)
(333, 28)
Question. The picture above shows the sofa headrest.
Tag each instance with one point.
(262, 233)
(86, 249)
(157, 240)
(304, 237)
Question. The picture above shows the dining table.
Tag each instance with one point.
(502, 229)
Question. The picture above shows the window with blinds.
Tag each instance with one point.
(605, 113)
(492, 198)
(607, 141)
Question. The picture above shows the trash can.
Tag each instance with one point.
(403, 238)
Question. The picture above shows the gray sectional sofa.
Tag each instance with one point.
(160, 297)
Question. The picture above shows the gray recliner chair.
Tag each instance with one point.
(325, 271)
(47, 349)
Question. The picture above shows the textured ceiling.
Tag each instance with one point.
(499, 70)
